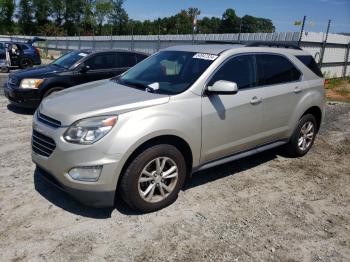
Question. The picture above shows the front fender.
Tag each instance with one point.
(139, 126)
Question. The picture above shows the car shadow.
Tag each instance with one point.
(20, 110)
(230, 169)
(68, 203)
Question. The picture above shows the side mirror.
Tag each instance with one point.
(223, 87)
(84, 69)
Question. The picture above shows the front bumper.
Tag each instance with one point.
(90, 198)
(67, 156)
(22, 98)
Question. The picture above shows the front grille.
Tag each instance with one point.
(48, 120)
(42, 145)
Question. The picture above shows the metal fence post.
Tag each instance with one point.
(67, 45)
(324, 44)
(302, 30)
(346, 61)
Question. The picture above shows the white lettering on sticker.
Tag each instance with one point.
(205, 56)
(82, 54)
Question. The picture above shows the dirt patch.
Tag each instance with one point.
(338, 90)
(262, 208)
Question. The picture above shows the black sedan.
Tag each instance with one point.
(28, 87)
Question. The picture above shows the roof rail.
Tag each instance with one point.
(290, 45)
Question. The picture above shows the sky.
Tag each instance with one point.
(283, 13)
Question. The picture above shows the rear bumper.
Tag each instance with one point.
(37, 60)
(22, 98)
(90, 198)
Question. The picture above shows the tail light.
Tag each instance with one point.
(326, 82)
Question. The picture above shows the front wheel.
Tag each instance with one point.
(154, 178)
(303, 137)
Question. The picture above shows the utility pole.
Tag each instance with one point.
(240, 31)
(323, 48)
(194, 27)
(158, 36)
(132, 36)
(302, 30)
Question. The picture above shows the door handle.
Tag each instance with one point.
(255, 100)
(297, 90)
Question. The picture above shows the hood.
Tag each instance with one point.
(40, 72)
(102, 97)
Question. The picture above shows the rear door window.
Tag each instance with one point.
(101, 61)
(239, 69)
(309, 61)
(125, 59)
(275, 69)
(140, 57)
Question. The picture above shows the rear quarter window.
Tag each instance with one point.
(308, 61)
(275, 69)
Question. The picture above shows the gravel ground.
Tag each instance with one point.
(262, 208)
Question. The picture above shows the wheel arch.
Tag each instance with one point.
(317, 113)
(173, 140)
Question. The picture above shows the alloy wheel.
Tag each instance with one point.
(158, 179)
(306, 136)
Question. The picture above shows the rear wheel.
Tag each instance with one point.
(154, 178)
(25, 62)
(303, 137)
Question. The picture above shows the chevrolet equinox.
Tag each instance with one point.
(183, 109)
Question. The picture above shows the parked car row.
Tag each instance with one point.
(28, 87)
(19, 54)
(183, 109)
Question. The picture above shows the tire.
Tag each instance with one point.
(51, 91)
(25, 62)
(295, 146)
(144, 167)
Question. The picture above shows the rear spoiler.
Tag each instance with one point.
(35, 39)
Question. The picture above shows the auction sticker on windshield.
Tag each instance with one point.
(205, 56)
(82, 54)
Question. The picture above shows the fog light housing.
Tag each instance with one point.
(85, 173)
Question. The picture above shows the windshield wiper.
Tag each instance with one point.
(133, 84)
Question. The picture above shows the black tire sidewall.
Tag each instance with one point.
(129, 183)
(27, 66)
(295, 150)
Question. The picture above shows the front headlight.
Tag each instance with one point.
(29, 83)
(88, 131)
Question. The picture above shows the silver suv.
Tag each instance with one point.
(184, 109)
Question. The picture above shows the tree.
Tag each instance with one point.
(230, 22)
(57, 8)
(118, 17)
(25, 17)
(103, 9)
(7, 9)
(41, 10)
(88, 20)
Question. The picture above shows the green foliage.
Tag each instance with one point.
(7, 8)
(105, 17)
(25, 17)
(334, 82)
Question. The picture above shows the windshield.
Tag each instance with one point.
(69, 59)
(168, 72)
